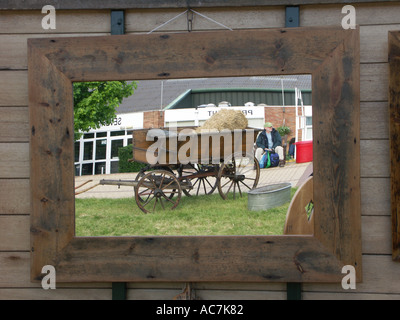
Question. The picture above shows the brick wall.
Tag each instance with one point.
(153, 119)
(277, 115)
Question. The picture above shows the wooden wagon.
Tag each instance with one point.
(184, 160)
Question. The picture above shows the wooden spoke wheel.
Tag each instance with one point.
(158, 189)
(238, 174)
(142, 172)
(202, 178)
(149, 168)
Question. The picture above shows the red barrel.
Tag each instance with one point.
(304, 151)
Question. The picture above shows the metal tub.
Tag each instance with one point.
(268, 197)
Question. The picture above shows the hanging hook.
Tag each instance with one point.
(189, 20)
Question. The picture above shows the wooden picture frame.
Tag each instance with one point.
(394, 138)
(329, 54)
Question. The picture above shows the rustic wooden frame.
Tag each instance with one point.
(330, 54)
(394, 138)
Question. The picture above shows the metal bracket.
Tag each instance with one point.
(118, 291)
(293, 291)
(117, 22)
(292, 19)
(190, 16)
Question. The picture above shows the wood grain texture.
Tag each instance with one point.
(297, 220)
(367, 14)
(13, 86)
(198, 259)
(14, 124)
(14, 232)
(142, 20)
(331, 55)
(158, 56)
(67, 21)
(14, 47)
(14, 196)
(336, 152)
(15, 160)
(52, 162)
(394, 138)
(149, 4)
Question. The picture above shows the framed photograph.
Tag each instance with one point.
(329, 54)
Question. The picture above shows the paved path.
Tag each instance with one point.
(292, 172)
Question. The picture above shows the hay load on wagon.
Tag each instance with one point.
(224, 119)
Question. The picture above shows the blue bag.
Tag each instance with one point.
(274, 159)
(265, 161)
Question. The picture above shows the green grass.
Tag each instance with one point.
(202, 215)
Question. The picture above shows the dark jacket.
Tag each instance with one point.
(262, 139)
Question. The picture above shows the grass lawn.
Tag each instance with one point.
(201, 215)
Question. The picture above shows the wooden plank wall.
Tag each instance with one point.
(380, 274)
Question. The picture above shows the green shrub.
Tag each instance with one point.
(283, 130)
(124, 154)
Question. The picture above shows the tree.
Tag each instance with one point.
(95, 103)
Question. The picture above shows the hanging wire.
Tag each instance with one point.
(220, 24)
(190, 20)
(165, 23)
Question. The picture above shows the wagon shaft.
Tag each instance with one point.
(131, 183)
(167, 184)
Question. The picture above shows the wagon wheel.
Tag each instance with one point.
(239, 173)
(154, 191)
(142, 173)
(203, 178)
